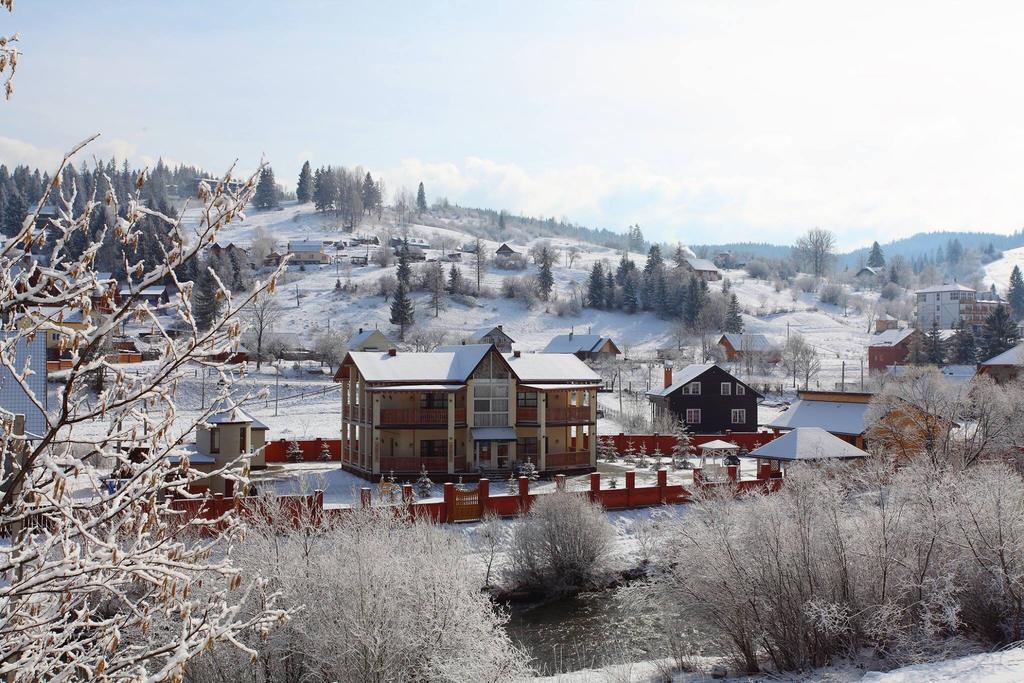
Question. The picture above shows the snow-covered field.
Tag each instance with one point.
(998, 272)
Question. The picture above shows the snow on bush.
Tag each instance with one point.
(377, 597)
(562, 543)
(910, 563)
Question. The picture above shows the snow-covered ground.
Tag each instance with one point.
(998, 272)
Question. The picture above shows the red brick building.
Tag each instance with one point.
(889, 348)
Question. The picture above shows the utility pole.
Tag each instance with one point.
(862, 374)
(844, 376)
(203, 399)
(298, 304)
(277, 386)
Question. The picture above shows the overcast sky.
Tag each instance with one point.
(703, 122)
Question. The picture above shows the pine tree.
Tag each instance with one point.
(696, 298)
(325, 451)
(424, 485)
(1015, 295)
(294, 451)
(304, 188)
(206, 301)
(15, 210)
(876, 259)
(622, 271)
(915, 350)
(404, 272)
(421, 200)
(652, 273)
(265, 196)
(609, 290)
(733, 318)
(606, 449)
(545, 280)
(325, 189)
(595, 289)
(501, 221)
(1000, 332)
(679, 257)
(934, 346)
(630, 301)
(369, 194)
(455, 280)
(963, 348)
(402, 312)
(435, 285)
(683, 447)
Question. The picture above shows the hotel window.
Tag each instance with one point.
(693, 416)
(739, 416)
(526, 400)
(433, 400)
(726, 389)
(526, 446)
(741, 390)
(215, 440)
(434, 448)
(692, 388)
(490, 393)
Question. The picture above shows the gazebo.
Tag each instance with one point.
(716, 449)
(806, 444)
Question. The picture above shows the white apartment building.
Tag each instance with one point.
(948, 305)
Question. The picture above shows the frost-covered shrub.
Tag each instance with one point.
(520, 289)
(891, 291)
(564, 307)
(379, 597)
(908, 563)
(833, 293)
(758, 270)
(562, 543)
(510, 262)
(806, 284)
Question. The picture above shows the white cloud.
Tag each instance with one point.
(14, 152)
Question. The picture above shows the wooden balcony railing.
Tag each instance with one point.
(413, 464)
(570, 414)
(414, 416)
(567, 459)
(356, 414)
(526, 415)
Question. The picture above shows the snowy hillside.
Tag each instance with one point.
(998, 272)
(309, 299)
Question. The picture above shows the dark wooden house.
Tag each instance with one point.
(707, 398)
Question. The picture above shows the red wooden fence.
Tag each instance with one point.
(665, 442)
(277, 451)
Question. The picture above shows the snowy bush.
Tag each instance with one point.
(905, 562)
(567, 307)
(510, 262)
(382, 598)
(522, 288)
(833, 293)
(562, 543)
(759, 270)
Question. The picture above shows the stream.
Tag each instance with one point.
(585, 631)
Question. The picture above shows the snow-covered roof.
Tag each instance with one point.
(868, 269)
(232, 415)
(443, 365)
(683, 377)
(362, 336)
(837, 417)
(576, 343)
(56, 313)
(559, 387)
(482, 332)
(306, 245)
(718, 445)
(807, 443)
(748, 342)
(493, 433)
(891, 337)
(702, 264)
(417, 387)
(1014, 356)
(990, 296)
(954, 287)
(551, 368)
(154, 290)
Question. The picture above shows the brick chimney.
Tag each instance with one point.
(668, 374)
(392, 351)
(517, 354)
(499, 328)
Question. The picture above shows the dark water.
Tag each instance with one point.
(586, 631)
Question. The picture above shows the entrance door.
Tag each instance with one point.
(483, 454)
(502, 456)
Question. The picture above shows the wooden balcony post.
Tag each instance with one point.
(542, 446)
(376, 445)
(451, 432)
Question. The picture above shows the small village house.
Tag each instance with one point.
(505, 250)
(891, 347)
(466, 409)
(493, 334)
(886, 322)
(1005, 367)
(227, 435)
(703, 269)
(706, 398)
(307, 252)
(842, 414)
(154, 295)
(583, 346)
(369, 340)
(736, 347)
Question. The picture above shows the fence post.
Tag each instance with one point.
(764, 470)
(559, 482)
(524, 493)
(662, 484)
(449, 502)
(630, 485)
(483, 493)
(595, 486)
(407, 493)
(733, 471)
(364, 497)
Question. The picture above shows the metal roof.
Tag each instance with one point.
(479, 334)
(748, 342)
(807, 443)
(683, 377)
(417, 387)
(493, 433)
(362, 336)
(891, 337)
(836, 417)
(955, 287)
(551, 368)
(718, 445)
(444, 365)
(560, 387)
(702, 264)
(1014, 356)
(575, 343)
